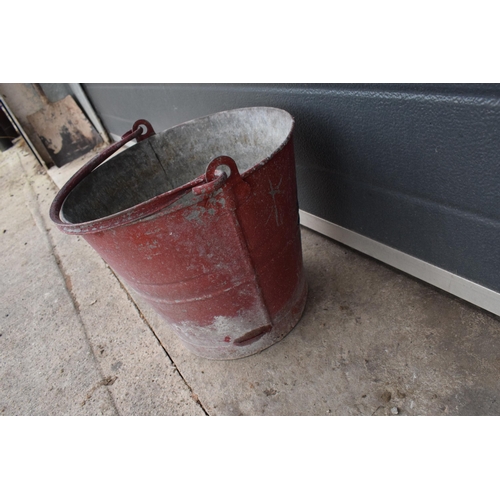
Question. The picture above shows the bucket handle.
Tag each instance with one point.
(136, 132)
(214, 181)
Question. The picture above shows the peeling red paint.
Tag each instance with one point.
(218, 257)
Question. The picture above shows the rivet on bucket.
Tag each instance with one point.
(202, 221)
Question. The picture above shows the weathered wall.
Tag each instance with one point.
(24, 99)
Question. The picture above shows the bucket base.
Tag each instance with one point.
(282, 326)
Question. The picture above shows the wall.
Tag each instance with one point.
(24, 99)
(414, 167)
(57, 91)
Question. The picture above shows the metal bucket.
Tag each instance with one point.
(211, 242)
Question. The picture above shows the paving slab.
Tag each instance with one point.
(46, 364)
(72, 340)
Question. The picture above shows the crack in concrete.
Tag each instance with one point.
(146, 322)
(34, 210)
(33, 206)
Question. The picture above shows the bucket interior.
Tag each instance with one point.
(176, 156)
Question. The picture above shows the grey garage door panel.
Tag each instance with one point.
(450, 238)
(414, 167)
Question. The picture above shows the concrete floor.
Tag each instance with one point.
(372, 341)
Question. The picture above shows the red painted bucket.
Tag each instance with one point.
(202, 221)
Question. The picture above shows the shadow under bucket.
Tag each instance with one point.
(201, 220)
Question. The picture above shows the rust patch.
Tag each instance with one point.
(253, 336)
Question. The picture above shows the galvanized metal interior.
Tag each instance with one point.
(176, 156)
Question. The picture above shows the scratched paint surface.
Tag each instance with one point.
(223, 267)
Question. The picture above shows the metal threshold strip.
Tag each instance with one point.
(467, 290)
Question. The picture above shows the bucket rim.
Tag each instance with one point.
(163, 200)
